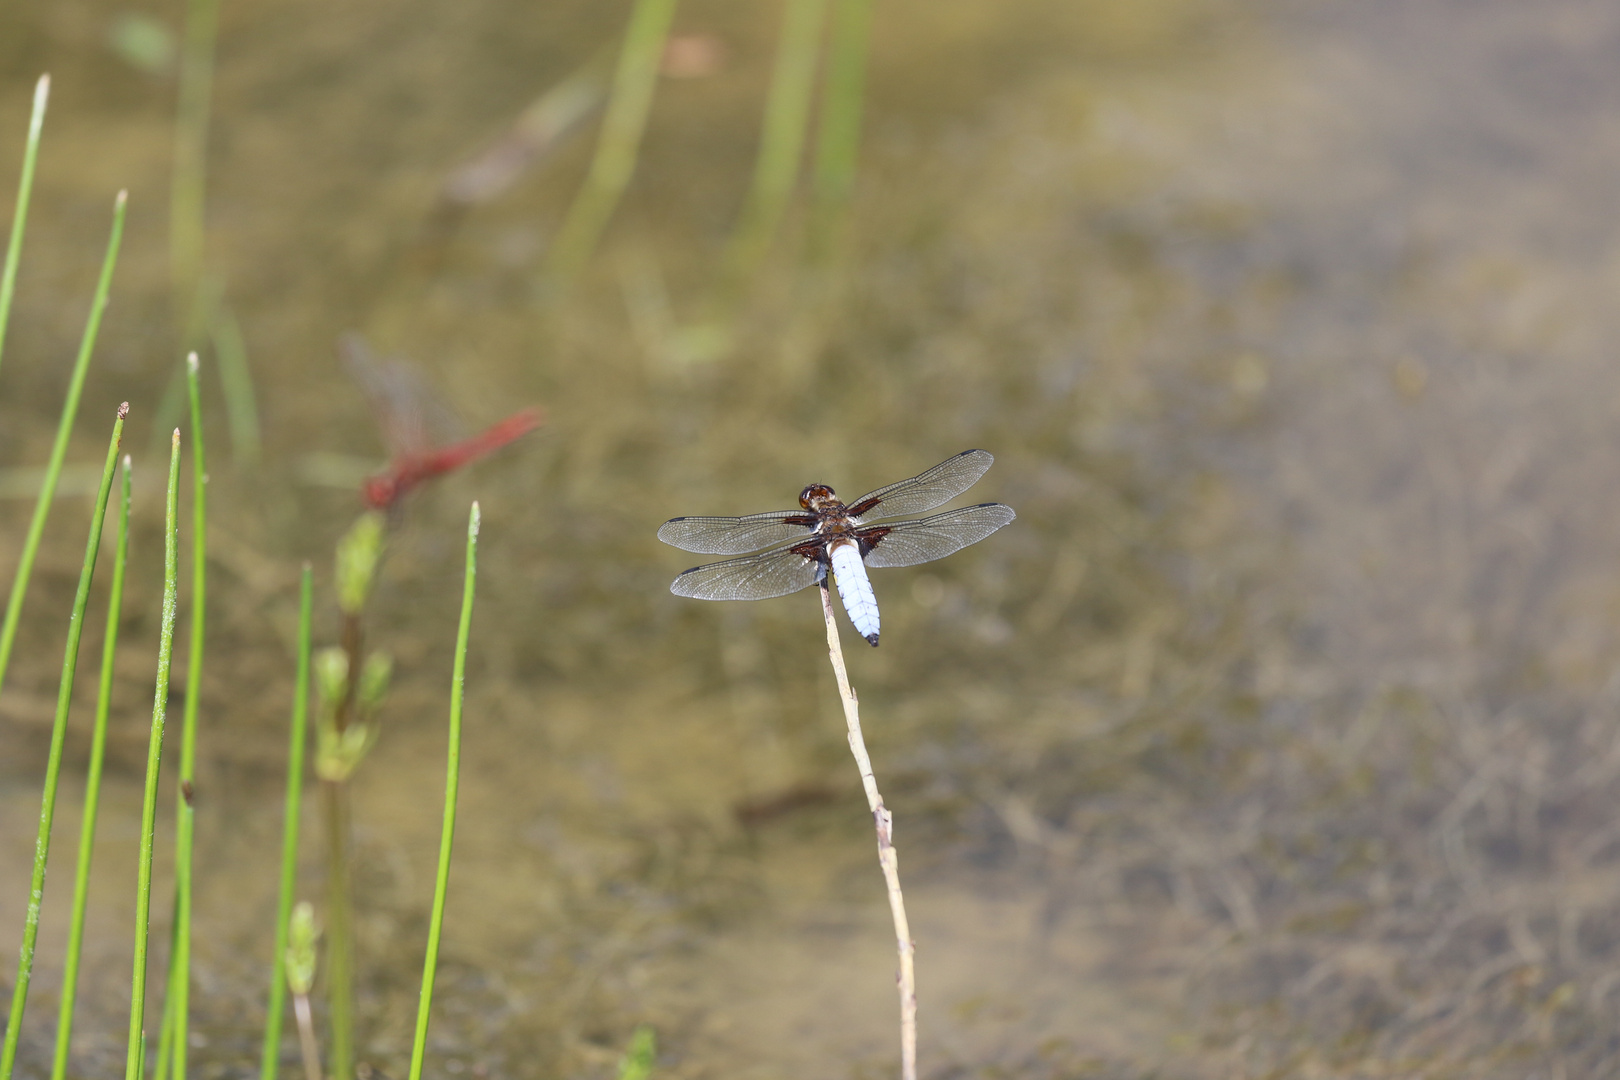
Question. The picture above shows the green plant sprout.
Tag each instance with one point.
(92, 786)
(64, 430)
(19, 216)
(452, 781)
(179, 994)
(279, 975)
(135, 1061)
(53, 766)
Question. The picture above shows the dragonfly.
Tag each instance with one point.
(826, 535)
(404, 408)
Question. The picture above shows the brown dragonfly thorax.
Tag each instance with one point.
(832, 516)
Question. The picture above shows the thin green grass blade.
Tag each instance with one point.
(53, 766)
(92, 785)
(843, 96)
(19, 217)
(188, 188)
(781, 145)
(619, 144)
(166, 1021)
(185, 813)
(451, 786)
(236, 381)
(135, 1061)
(64, 429)
(270, 1060)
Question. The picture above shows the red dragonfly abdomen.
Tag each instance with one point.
(384, 490)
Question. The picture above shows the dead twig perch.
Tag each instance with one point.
(888, 859)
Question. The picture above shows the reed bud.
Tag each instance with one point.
(357, 556)
(300, 957)
(332, 676)
(374, 676)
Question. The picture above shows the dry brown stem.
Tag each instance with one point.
(888, 859)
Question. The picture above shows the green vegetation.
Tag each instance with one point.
(189, 186)
(177, 1004)
(452, 784)
(619, 143)
(298, 736)
(351, 680)
(19, 217)
(135, 1060)
(53, 765)
(92, 788)
(842, 100)
(782, 138)
(64, 430)
(640, 1057)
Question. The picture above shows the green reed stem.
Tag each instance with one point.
(451, 785)
(185, 813)
(64, 429)
(616, 149)
(843, 94)
(166, 1021)
(53, 764)
(92, 786)
(135, 1061)
(19, 217)
(271, 1058)
(188, 190)
(781, 145)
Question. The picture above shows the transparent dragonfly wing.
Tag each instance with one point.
(907, 543)
(927, 490)
(412, 418)
(754, 577)
(735, 535)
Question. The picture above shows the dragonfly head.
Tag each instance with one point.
(379, 492)
(817, 497)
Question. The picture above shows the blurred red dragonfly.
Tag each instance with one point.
(405, 410)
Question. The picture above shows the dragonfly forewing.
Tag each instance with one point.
(735, 535)
(907, 543)
(754, 577)
(926, 490)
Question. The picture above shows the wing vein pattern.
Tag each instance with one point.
(753, 577)
(734, 535)
(907, 543)
(926, 490)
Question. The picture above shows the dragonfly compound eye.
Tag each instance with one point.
(815, 495)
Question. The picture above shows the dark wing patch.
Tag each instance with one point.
(754, 577)
(927, 490)
(735, 535)
(907, 543)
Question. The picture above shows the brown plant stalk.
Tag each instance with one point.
(888, 859)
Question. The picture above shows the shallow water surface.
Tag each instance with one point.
(1273, 739)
